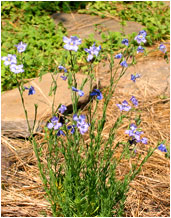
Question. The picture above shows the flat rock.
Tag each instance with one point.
(83, 24)
(154, 80)
(13, 122)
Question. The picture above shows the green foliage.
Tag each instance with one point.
(154, 16)
(30, 22)
(22, 21)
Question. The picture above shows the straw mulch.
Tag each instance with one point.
(149, 195)
(22, 193)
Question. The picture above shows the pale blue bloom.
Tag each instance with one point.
(62, 68)
(140, 49)
(21, 47)
(16, 68)
(9, 59)
(80, 92)
(93, 50)
(162, 48)
(135, 135)
(71, 43)
(62, 109)
(134, 101)
(124, 106)
(124, 64)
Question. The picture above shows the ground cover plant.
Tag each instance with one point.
(32, 21)
(85, 182)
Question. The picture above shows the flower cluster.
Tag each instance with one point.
(72, 43)
(54, 124)
(93, 50)
(81, 124)
(124, 106)
(11, 61)
(135, 134)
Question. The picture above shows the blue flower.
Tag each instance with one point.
(135, 135)
(57, 125)
(62, 109)
(140, 37)
(60, 132)
(124, 64)
(71, 43)
(118, 56)
(124, 106)
(81, 124)
(144, 140)
(9, 59)
(53, 122)
(72, 127)
(62, 68)
(21, 47)
(125, 42)
(16, 68)
(97, 93)
(134, 101)
(140, 49)
(93, 50)
(142, 32)
(63, 77)
(31, 90)
(80, 92)
(162, 48)
(162, 148)
(80, 118)
(134, 77)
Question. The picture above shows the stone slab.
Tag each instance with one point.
(13, 123)
(154, 81)
(83, 24)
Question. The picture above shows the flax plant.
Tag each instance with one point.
(79, 169)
